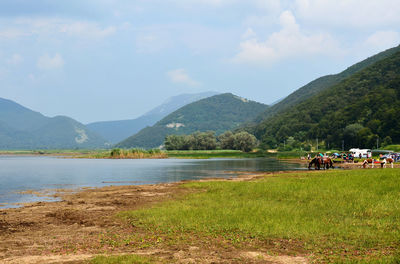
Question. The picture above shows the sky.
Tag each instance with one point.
(97, 60)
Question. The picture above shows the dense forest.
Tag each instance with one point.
(360, 111)
(321, 84)
(209, 141)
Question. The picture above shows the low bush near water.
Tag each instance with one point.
(136, 154)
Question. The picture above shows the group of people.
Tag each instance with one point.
(317, 156)
(394, 156)
(345, 156)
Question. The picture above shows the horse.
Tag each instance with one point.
(318, 161)
(383, 163)
(367, 162)
(387, 160)
(328, 163)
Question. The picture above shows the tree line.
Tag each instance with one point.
(209, 141)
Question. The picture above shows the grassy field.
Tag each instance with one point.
(208, 154)
(333, 217)
(125, 259)
(139, 153)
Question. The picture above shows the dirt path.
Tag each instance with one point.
(79, 227)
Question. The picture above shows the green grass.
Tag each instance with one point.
(395, 148)
(208, 154)
(118, 153)
(338, 216)
(125, 259)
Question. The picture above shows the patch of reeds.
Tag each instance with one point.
(137, 154)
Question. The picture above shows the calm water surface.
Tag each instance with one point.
(40, 173)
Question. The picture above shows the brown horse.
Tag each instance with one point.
(326, 163)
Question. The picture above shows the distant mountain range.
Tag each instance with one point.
(22, 128)
(116, 131)
(357, 107)
(218, 113)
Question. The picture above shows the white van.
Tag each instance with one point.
(365, 153)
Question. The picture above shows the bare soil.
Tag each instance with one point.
(84, 224)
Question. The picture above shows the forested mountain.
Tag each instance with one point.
(22, 128)
(115, 131)
(218, 113)
(320, 85)
(357, 111)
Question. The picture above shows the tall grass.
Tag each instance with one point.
(339, 214)
(127, 154)
(137, 154)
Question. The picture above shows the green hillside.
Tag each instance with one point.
(22, 128)
(217, 113)
(115, 131)
(319, 85)
(358, 110)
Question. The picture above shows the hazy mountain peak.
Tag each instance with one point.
(175, 102)
(115, 131)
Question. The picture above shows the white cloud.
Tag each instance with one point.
(86, 30)
(290, 41)
(383, 39)
(47, 62)
(13, 33)
(204, 2)
(181, 76)
(265, 4)
(152, 41)
(349, 13)
(15, 59)
(54, 27)
(249, 34)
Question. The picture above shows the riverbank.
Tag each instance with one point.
(291, 217)
(84, 223)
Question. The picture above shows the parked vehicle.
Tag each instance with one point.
(363, 153)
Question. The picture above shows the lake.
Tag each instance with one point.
(19, 173)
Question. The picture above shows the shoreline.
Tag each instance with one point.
(53, 195)
(42, 231)
(78, 227)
